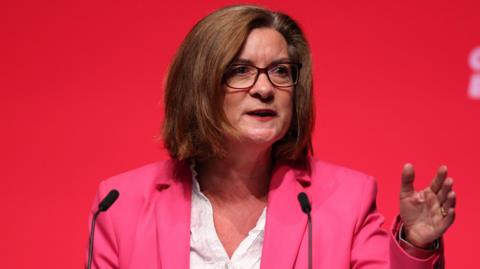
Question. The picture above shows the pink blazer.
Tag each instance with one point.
(149, 225)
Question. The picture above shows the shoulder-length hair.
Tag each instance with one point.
(195, 124)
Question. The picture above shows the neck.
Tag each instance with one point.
(243, 174)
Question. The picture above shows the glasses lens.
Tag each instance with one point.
(283, 75)
(241, 76)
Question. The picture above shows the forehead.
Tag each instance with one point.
(263, 46)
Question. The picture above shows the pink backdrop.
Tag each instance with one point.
(81, 89)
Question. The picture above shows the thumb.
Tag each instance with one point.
(408, 175)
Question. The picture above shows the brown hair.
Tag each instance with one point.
(195, 123)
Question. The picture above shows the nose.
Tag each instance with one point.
(263, 89)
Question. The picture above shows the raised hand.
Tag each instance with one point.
(428, 213)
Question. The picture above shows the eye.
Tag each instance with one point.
(281, 70)
(240, 70)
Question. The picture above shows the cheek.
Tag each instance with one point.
(230, 107)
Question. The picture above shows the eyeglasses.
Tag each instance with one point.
(244, 76)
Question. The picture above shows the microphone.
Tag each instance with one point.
(108, 200)
(307, 208)
(102, 207)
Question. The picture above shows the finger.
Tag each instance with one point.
(408, 175)
(451, 200)
(446, 188)
(449, 207)
(439, 178)
(448, 219)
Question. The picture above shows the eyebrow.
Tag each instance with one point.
(246, 61)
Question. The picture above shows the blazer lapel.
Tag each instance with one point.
(286, 223)
(173, 216)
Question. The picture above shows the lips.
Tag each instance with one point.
(262, 113)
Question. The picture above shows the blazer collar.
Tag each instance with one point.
(172, 211)
(285, 223)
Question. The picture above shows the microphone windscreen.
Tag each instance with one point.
(304, 202)
(108, 200)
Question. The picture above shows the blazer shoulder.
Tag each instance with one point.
(320, 168)
(328, 175)
(139, 181)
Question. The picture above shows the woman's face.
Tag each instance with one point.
(262, 113)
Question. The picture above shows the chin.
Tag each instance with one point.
(262, 137)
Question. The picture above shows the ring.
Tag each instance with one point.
(443, 211)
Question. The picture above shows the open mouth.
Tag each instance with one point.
(262, 113)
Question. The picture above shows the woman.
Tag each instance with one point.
(238, 124)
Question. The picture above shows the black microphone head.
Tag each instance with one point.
(304, 202)
(108, 200)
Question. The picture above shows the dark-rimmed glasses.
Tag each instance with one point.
(244, 76)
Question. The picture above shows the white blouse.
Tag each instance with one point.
(206, 250)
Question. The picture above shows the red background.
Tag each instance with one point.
(81, 89)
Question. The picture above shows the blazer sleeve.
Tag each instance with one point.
(375, 248)
(105, 249)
